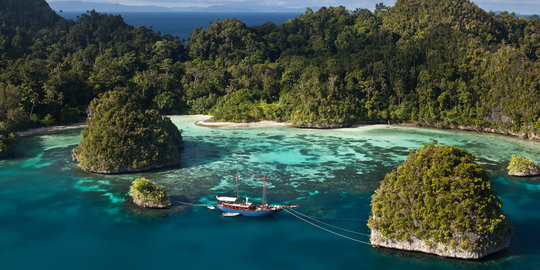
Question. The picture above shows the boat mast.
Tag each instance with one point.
(237, 194)
(264, 185)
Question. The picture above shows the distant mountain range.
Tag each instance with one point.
(81, 6)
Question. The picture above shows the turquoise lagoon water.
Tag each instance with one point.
(54, 216)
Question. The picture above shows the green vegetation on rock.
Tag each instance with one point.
(123, 137)
(7, 143)
(148, 194)
(9, 113)
(522, 166)
(439, 195)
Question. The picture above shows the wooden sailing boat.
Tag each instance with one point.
(246, 208)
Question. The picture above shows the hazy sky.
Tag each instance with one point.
(518, 6)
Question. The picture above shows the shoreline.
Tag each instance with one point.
(523, 136)
(46, 130)
(444, 250)
(264, 123)
(268, 123)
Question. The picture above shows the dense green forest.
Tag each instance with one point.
(443, 63)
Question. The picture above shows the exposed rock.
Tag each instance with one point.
(527, 173)
(417, 245)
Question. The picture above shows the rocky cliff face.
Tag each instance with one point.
(414, 244)
(151, 204)
(525, 172)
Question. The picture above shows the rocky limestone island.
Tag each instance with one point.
(123, 137)
(439, 201)
(522, 166)
(148, 194)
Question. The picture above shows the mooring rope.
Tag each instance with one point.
(194, 204)
(337, 218)
(329, 225)
(328, 230)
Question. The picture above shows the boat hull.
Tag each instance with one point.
(249, 213)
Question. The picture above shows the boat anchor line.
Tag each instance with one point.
(326, 229)
(336, 218)
(194, 204)
(329, 225)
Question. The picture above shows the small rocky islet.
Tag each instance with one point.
(439, 201)
(148, 194)
(522, 166)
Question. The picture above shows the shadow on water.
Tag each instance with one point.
(32, 146)
(526, 239)
(197, 153)
(497, 260)
(27, 148)
(145, 212)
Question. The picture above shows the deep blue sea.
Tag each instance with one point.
(180, 24)
(55, 216)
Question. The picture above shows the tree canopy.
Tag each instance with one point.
(441, 63)
(146, 193)
(121, 136)
(440, 195)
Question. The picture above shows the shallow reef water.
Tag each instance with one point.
(55, 216)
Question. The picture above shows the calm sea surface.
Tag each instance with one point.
(180, 24)
(55, 216)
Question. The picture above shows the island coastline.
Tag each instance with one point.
(416, 245)
(46, 130)
(268, 123)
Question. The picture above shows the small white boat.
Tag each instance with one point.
(211, 207)
(228, 214)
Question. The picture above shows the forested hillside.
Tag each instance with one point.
(58, 66)
(443, 63)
